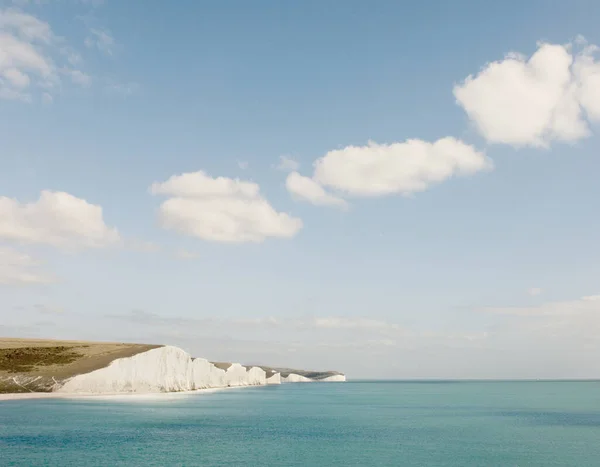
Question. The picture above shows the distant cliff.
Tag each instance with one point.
(99, 368)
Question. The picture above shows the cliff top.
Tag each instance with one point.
(48, 359)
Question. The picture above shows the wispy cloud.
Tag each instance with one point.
(80, 78)
(18, 268)
(101, 39)
(287, 164)
(34, 58)
(122, 89)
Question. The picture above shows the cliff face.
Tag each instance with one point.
(294, 378)
(274, 378)
(145, 370)
(303, 376)
(166, 369)
(334, 379)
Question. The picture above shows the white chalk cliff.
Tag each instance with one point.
(334, 379)
(171, 369)
(294, 378)
(274, 379)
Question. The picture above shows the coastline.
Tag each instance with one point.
(111, 396)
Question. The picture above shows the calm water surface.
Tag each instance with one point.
(360, 423)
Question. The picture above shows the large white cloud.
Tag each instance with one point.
(533, 101)
(56, 218)
(221, 209)
(385, 169)
(408, 167)
(17, 268)
(33, 59)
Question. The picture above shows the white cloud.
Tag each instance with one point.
(80, 78)
(307, 189)
(101, 39)
(533, 101)
(535, 291)
(353, 323)
(25, 26)
(589, 303)
(328, 324)
(287, 164)
(252, 322)
(122, 89)
(17, 78)
(587, 69)
(57, 219)
(17, 268)
(384, 169)
(242, 165)
(29, 54)
(567, 323)
(221, 209)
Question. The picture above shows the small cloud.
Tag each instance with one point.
(80, 78)
(18, 268)
(306, 189)
(102, 40)
(535, 291)
(47, 98)
(123, 89)
(221, 209)
(242, 165)
(73, 57)
(58, 219)
(287, 164)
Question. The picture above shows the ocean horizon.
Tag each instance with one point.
(379, 423)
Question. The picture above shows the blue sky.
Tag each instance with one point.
(481, 272)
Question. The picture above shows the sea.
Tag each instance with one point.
(361, 423)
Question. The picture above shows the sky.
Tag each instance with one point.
(388, 189)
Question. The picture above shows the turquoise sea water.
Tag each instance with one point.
(356, 423)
